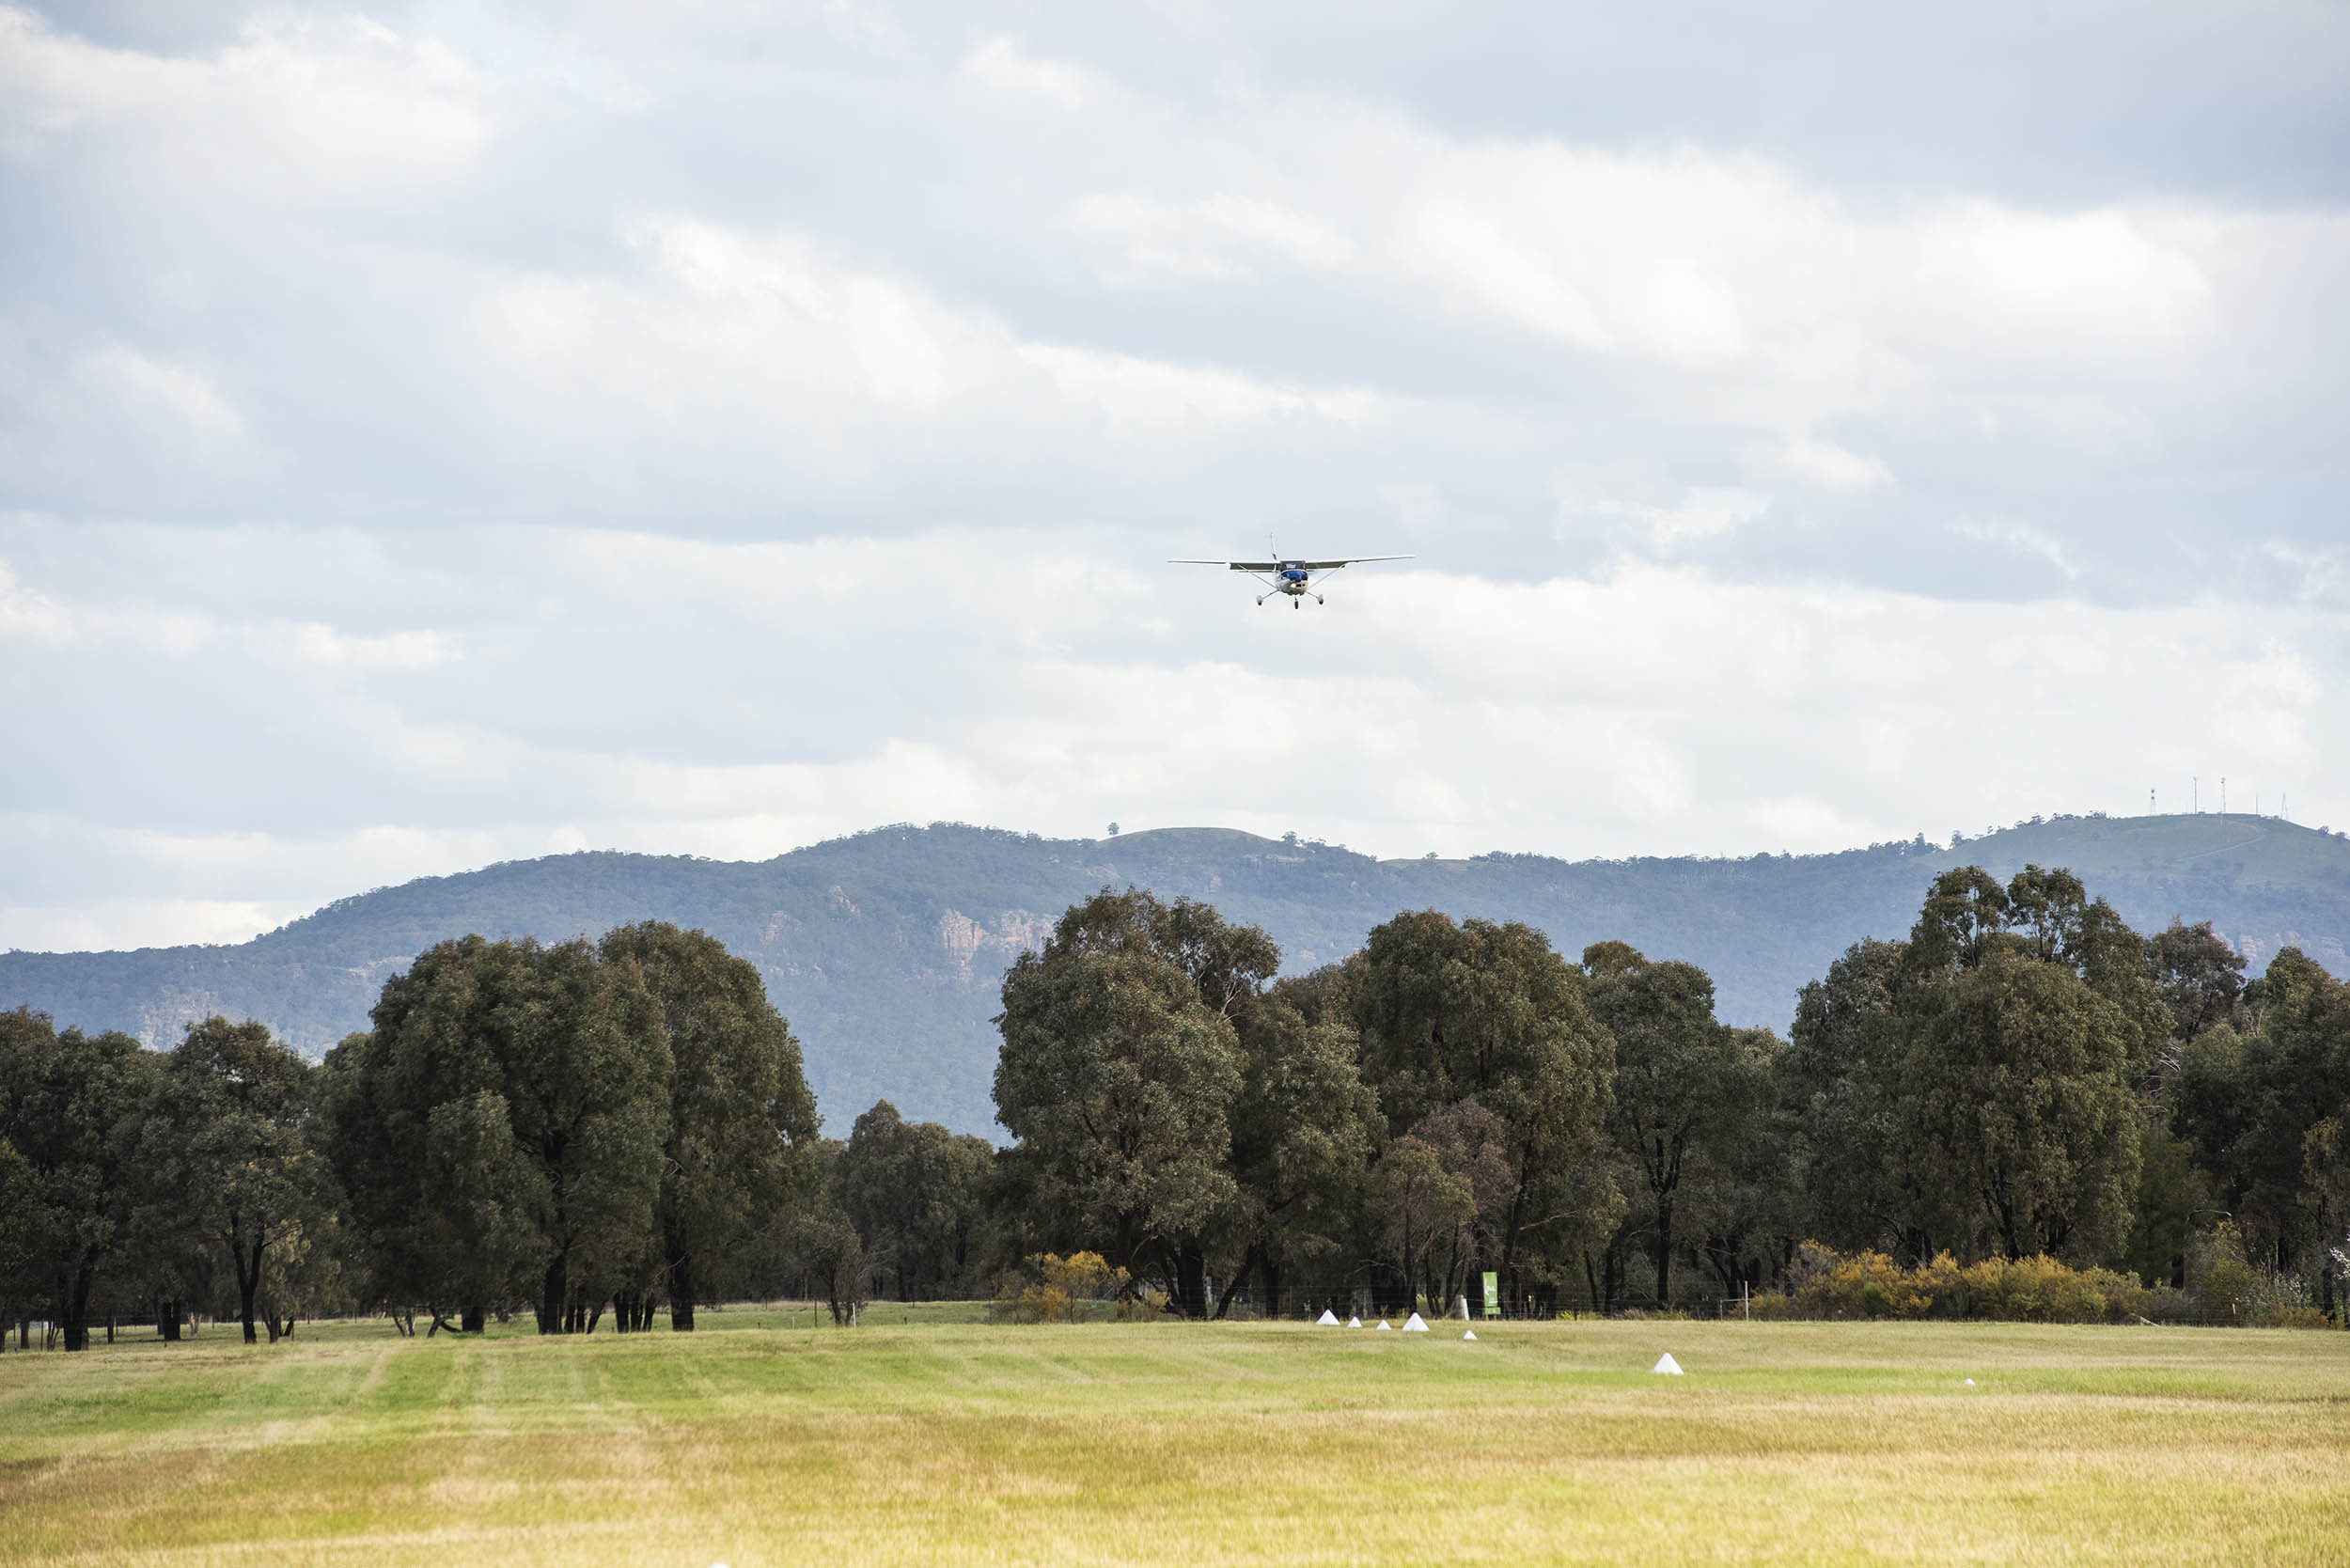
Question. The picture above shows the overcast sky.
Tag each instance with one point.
(432, 435)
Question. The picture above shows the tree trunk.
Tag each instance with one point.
(74, 1319)
(1664, 1251)
(248, 1281)
(472, 1317)
(1191, 1281)
(552, 1290)
(1232, 1286)
(681, 1290)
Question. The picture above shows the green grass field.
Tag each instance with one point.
(932, 1440)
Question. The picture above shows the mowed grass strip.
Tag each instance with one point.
(753, 1443)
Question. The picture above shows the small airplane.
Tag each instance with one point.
(1294, 578)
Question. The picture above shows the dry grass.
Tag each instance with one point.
(752, 1444)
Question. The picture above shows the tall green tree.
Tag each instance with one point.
(1488, 1012)
(20, 1197)
(2016, 1119)
(506, 1117)
(2023, 1012)
(1117, 1074)
(1444, 1191)
(1304, 1128)
(227, 1148)
(916, 1195)
(1426, 1213)
(2251, 1103)
(1689, 1091)
(2201, 978)
(1836, 1088)
(69, 1107)
(740, 1117)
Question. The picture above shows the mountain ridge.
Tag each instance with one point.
(884, 949)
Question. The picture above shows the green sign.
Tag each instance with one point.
(1492, 1295)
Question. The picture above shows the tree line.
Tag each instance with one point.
(2023, 1076)
(575, 1130)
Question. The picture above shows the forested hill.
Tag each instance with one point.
(885, 950)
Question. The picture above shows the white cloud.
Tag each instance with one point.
(1458, 246)
(716, 429)
(28, 616)
(173, 390)
(1815, 463)
(2021, 538)
(307, 107)
(739, 699)
(107, 924)
(2101, 279)
(1221, 239)
(1000, 64)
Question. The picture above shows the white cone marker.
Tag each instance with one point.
(1385, 1327)
(1414, 1325)
(1353, 1322)
(1468, 1333)
(1326, 1320)
(1666, 1365)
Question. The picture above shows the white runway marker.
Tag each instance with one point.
(1666, 1365)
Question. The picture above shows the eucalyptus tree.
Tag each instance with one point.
(1835, 1092)
(71, 1105)
(916, 1194)
(740, 1117)
(2265, 1108)
(20, 1194)
(1303, 1126)
(501, 1127)
(1689, 1091)
(2017, 1117)
(1118, 1075)
(2022, 1012)
(2199, 975)
(1442, 1193)
(1489, 1012)
(227, 1148)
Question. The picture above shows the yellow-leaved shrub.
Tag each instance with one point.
(1049, 1288)
(1831, 1284)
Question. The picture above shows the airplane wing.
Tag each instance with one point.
(1358, 560)
(1236, 566)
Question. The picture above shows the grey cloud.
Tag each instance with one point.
(711, 428)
